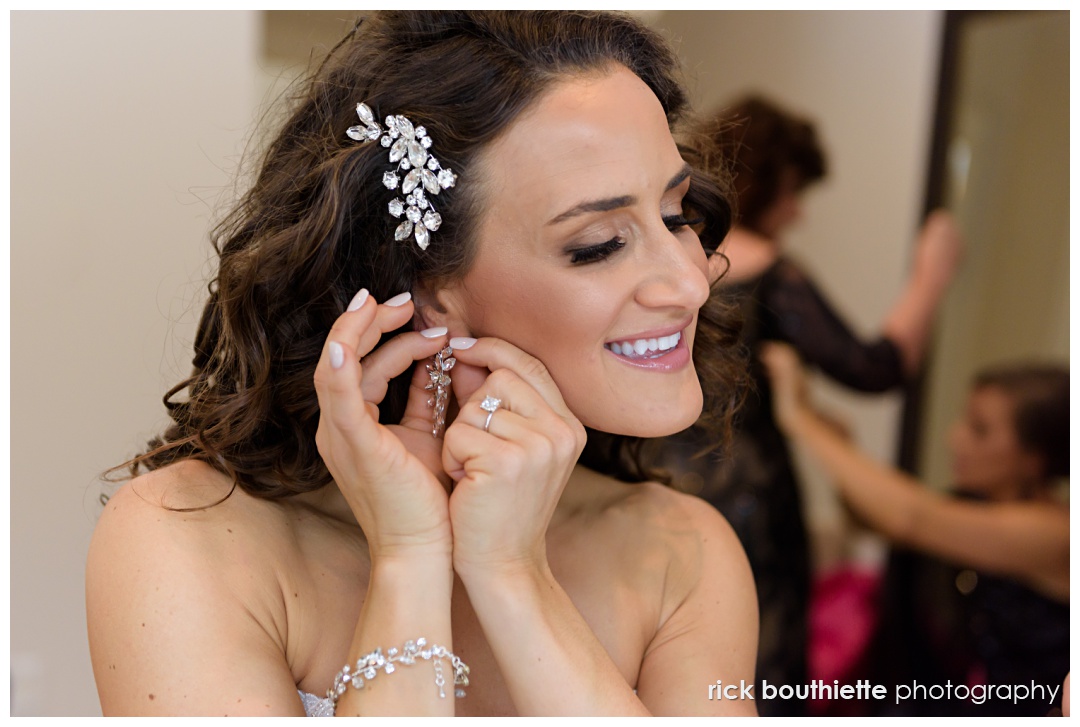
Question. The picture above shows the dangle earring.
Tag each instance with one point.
(440, 383)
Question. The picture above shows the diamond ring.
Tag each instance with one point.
(490, 404)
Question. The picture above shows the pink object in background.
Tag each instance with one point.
(843, 616)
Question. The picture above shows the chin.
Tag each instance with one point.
(638, 419)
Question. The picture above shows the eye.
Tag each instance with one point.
(677, 222)
(596, 253)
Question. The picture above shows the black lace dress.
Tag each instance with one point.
(754, 485)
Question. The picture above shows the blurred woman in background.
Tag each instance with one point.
(1005, 521)
(775, 156)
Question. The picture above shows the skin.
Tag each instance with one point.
(987, 456)
(532, 295)
(563, 590)
(1021, 532)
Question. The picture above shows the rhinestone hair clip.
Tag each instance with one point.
(409, 152)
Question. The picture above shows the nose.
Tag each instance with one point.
(674, 272)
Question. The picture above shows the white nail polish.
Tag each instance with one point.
(337, 355)
(399, 299)
(434, 332)
(358, 300)
(459, 342)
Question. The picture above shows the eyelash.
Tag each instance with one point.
(605, 249)
(596, 252)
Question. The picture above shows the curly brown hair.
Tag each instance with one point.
(762, 140)
(313, 229)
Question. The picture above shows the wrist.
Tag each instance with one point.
(411, 565)
(511, 576)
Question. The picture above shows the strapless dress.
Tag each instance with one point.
(315, 706)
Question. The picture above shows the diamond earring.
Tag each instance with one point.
(440, 383)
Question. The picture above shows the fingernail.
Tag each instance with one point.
(337, 355)
(399, 299)
(358, 300)
(462, 342)
(434, 332)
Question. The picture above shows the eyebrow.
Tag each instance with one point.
(614, 203)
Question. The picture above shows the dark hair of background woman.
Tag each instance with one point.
(314, 229)
(1040, 399)
(764, 140)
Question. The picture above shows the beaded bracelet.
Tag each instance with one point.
(367, 667)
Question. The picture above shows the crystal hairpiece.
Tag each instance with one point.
(409, 151)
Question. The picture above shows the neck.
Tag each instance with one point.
(749, 253)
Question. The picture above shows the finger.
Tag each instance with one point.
(394, 357)
(338, 373)
(389, 316)
(502, 422)
(470, 449)
(513, 394)
(466, 379)
(495, 353)
(341, 405)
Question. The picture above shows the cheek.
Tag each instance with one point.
(556, 321)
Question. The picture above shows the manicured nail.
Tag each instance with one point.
(400, 299)
(462, 342)
(337, 355)
(358, 300)
(434, 332)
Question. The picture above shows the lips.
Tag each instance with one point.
(659, 350)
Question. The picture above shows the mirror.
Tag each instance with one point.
(1000, 162)
(1002, 166)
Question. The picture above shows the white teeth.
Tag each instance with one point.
(642, 346)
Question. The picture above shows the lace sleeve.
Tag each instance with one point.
(801, 316)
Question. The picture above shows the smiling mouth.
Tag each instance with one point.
(645, 348)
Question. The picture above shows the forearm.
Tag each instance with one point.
(407, 598)
(911, 318)
(888, 500)
(551, 660)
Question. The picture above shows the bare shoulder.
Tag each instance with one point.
(706, 619)
(669, 514)
(171, 586)
(184, 512)
(697, 534)
(653, 527)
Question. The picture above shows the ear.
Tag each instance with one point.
(441, 307)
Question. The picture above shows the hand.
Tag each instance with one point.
(785, 373)
(386, 474)
(508, 479)
(940, 249)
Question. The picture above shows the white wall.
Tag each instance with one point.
(126, 127)
(124, 130)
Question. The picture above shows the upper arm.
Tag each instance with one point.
(808, 321)
(1027, 541)
(172, 628)
(711, 634)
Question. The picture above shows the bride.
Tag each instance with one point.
(468, 277)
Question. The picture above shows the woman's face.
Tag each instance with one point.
(786, 209)
(583, 259)
(987, 456)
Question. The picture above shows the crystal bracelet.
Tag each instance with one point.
(367, 668)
